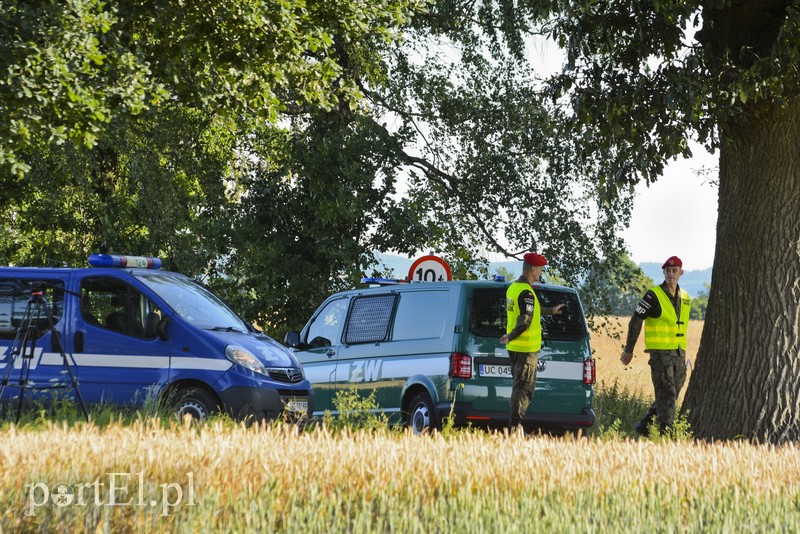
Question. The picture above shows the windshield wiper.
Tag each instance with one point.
(226, 329)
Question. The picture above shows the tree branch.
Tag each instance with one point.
(450, 182)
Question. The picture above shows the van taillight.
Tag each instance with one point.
(589, 372)
(460, 365)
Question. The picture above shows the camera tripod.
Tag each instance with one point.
(24, 349)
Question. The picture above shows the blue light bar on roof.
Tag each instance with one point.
(383, 281)
(114, 260)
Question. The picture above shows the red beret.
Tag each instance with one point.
(673, 261)
(537, 260)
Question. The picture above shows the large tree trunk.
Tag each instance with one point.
(746, 380)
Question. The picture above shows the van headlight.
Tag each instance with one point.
(245, 358)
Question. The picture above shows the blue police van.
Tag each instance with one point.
(130, 332)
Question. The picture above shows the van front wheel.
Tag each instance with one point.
(421, 414)
(195, 403)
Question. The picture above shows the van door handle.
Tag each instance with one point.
(330, 353)
(77, 345)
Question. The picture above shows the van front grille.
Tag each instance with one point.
(291, 375)
(294, 393)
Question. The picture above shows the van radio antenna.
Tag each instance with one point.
(24, 348)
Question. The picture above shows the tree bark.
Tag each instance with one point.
(746, 380)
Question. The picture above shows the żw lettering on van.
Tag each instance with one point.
(366, 371)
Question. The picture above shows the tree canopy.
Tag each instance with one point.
(158, 128)
(72, 68)
(269, 148)
(271, 152)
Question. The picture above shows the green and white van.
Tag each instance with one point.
(429, 350)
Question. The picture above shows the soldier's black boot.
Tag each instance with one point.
(641, 426)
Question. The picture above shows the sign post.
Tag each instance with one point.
(429, 269)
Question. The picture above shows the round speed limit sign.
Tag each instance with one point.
(429, 269)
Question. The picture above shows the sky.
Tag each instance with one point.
(680, 196)
(677, 215)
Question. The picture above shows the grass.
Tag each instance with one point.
(38, 413)
(147, 472)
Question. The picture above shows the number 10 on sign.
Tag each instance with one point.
(429, 269)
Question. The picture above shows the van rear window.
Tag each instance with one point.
(369, 319)
(488, 314)
(569, 324)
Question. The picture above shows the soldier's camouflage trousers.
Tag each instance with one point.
(523, 371)
(668, 372)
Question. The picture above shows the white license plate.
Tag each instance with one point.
(297, 405)
(486, 369)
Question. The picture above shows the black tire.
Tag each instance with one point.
(421, 414)
(194, 402)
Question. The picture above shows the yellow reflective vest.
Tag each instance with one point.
(531, 339)
(666, 332)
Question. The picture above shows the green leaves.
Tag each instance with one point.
(71, 68)
(641, 82)
(63, 75)
(487, 159)
(149, 127)
(284, 132)
(320, 200)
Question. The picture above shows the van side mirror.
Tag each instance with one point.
(292, 339)
(151, 325)
(161, 329)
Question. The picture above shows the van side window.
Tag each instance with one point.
(369, 319)
(114, 305)
(327, 326)
(14, 297)
(420, 315)
(488, 317)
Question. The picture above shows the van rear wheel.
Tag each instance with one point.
(421, 414)
(195, 403)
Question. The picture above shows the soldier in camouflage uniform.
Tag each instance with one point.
(664, 310)
(523, 337)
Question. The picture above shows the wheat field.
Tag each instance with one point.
(153, 475)
(146, 477)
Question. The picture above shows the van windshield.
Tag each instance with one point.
(193, 302)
